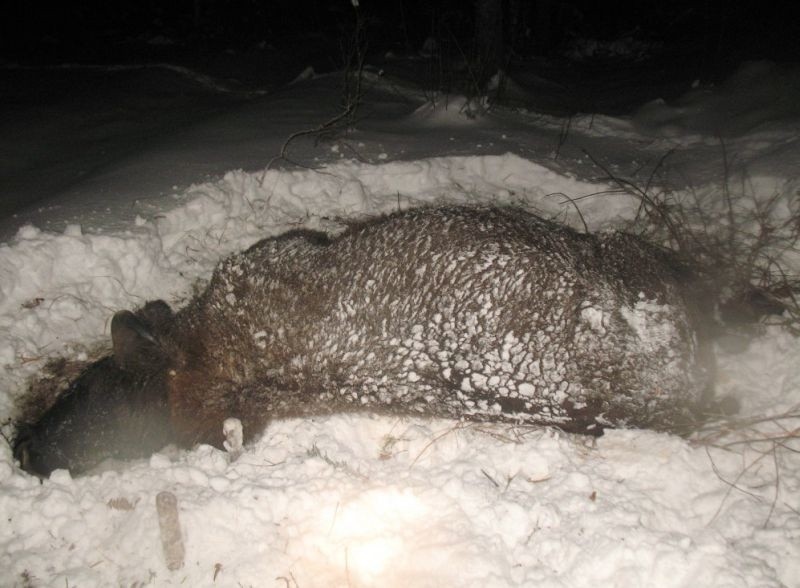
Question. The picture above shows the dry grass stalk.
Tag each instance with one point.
(764, 436)
(740, 244)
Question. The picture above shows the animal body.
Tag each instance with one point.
(459, 312)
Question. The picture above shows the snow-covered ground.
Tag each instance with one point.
(366, 501)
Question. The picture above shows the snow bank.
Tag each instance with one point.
(758, 95)
(362, 501)
(359, 501)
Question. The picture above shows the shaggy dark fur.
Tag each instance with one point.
(473, 313)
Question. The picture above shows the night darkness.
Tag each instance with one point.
(719, 32)
(596, 57)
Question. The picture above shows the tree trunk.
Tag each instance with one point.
(490, 47)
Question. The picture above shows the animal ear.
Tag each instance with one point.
(132, 340)
(156, 313)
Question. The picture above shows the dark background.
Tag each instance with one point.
(719, 31)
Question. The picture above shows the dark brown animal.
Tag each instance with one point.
(468, 313)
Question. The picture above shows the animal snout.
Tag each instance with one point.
(28, 452)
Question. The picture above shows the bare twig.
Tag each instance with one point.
(430, 443)
(731, 485)
(353, 76)
(751, 436)
(577, 209)
(777, 484)
(490, 478)
(647, 203)
(563, 133)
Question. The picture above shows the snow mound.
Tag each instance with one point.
(359, 501)
(759, 95)
(365, 501)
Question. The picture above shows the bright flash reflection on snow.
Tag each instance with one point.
(371, 529)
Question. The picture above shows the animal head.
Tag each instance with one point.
(117, 408)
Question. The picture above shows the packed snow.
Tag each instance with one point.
(362, 500)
